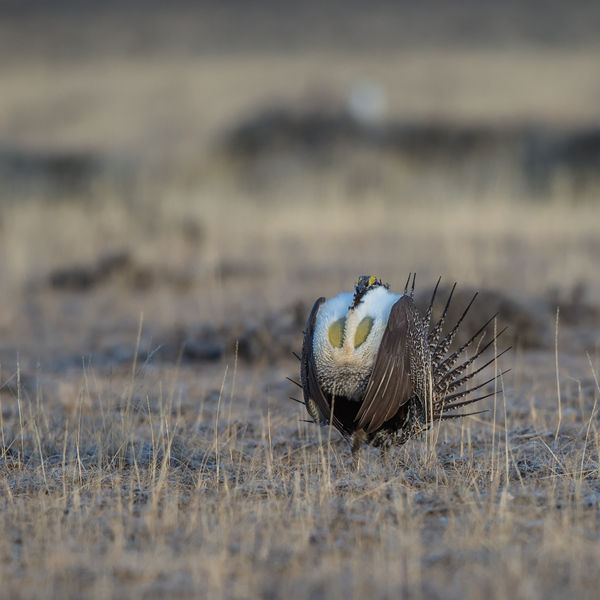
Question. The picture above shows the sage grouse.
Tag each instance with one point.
(379, 371)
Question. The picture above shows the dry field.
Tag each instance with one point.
(156, 275)
(142, 455)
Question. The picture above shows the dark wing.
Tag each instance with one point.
(389, 386)
(308, 372)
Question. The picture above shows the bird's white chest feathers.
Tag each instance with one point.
(344, 368)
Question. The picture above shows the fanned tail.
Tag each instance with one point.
(412, 289)
(427, 320)
(449, 380)
(442, 347)
(449, 362)
(451, 377)
(434, 335)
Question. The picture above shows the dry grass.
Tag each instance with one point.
(139, 479)
(140, 485)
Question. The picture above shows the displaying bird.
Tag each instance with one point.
(379, 372)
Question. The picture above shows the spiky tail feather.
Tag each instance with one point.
(447, 377)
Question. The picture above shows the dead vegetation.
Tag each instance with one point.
(149, 485)
(149, 448)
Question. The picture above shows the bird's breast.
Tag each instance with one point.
(344, 375)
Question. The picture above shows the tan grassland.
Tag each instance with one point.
(134, 467)
(140, 479)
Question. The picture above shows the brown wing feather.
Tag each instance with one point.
(308, 372)
(389, 386)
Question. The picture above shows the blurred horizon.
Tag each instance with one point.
(190, 26)
(501, 98)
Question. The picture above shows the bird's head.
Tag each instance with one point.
(363, 285)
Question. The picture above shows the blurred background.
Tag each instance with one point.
(209, 162)
(179, 181)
